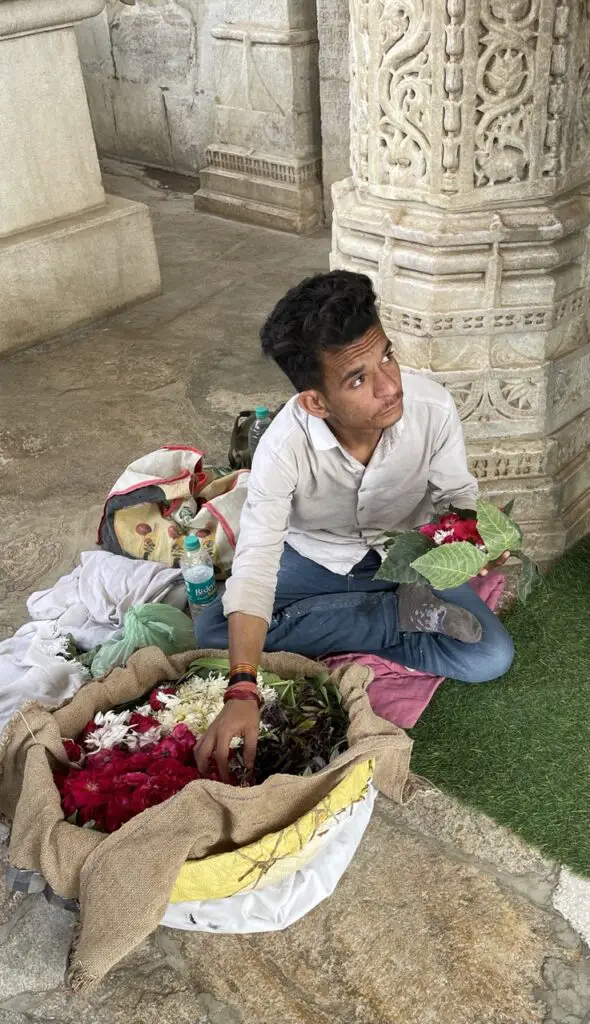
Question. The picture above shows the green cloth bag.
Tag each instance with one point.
(146, 625)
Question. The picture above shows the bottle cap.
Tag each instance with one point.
(262, 412)
(191, 543)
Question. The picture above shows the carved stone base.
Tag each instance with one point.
(73, 270)
(252, 187)
(494, 305)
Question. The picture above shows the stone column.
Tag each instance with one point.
(469, 207)
(264, 166)
(68, 252)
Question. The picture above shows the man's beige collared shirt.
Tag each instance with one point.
(306, 490)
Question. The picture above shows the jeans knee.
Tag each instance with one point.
(494, 658)
(211, 628)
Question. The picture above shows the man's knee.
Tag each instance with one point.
(492, 658)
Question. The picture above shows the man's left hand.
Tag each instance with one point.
(498, 563)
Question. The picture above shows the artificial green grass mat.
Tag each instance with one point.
(519, 748)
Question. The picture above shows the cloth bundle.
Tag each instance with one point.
(161, 496)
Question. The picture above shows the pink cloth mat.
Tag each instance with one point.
(399, 695)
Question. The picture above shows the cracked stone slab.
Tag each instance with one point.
(34, 943)
(435, 814)
(568, 991)
(410, 935)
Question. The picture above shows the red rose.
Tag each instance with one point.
(155, 704)
(83, 792)
(184, 739)
(131, 779)
(166, 747)
(456, 528)
(140, 760)
(119, 810)
(142, 723)
(110, 762)
(466, 530)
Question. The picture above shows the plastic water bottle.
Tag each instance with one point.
(261, 423)
(199, 576)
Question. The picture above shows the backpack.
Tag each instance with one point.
(238, 455)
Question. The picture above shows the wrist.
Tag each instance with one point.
(240, 692)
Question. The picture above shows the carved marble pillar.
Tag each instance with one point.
(265, 166)
(469, 207)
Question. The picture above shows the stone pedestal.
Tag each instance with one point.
(469, 207)
(68, 253)
(264, 166)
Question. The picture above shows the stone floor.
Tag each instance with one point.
(443, 918)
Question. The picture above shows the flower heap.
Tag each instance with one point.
(124, 762)
(121, 766)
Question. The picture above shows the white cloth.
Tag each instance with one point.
(90, 603)
(307, 490)
(31, 669)
(275, 907)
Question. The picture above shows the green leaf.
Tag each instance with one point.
(450, 565)
(530, 576)
(498, 532)
(507, 510)
(403, 550)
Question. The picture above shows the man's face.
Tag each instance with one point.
(362, 388)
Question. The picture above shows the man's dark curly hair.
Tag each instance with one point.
(323, 313)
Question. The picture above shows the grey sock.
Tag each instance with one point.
(420, 611)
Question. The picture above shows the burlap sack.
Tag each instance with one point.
(123, 880)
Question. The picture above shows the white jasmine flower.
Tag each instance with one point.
(144, 739)
(197, 703)
(113, 729)
(441, 536)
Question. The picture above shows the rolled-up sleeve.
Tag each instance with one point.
(449, 479)
(263, 528)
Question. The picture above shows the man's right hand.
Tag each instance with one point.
(239, 718)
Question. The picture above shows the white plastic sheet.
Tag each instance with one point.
(275, 907)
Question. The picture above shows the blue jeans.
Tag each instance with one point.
(318, 613)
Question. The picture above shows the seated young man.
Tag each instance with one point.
(362, 448)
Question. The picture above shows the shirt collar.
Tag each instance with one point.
(323, 439)
(320, 434)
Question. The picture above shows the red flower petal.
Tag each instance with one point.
(156, 704)
(142, 723)
(74, 751)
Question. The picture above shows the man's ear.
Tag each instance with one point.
(314, 403)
